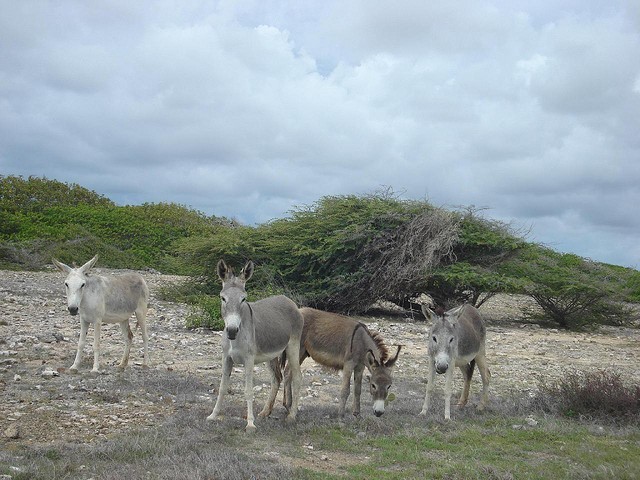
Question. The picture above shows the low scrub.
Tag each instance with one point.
(599, 395)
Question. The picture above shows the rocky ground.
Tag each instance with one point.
(41, 401)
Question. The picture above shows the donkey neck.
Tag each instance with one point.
(362, 341)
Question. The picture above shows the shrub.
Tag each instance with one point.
(40, 217)
(344, 253)
(205, 312)
(599, 394)
(571, 291)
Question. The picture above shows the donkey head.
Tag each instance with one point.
(233, 296)
(75, 282)
(443, 337)
(380, 381)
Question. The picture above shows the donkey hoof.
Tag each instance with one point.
(423, 413)
(212, 418)
(73, 370)
(264, 414)
(250, 429)
(290, 419)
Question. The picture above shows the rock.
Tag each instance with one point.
(48, 373)
(12, 431)
(532, 422)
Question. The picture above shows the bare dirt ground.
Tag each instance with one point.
(42, 402)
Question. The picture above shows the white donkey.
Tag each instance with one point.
(456, 339)
(107, 299)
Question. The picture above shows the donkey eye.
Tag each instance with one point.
(388, 387)
(451, 340)
(435, 339)
(82, 286)
(224, 300)
(373, 385)
(243, 300)
(66, 284)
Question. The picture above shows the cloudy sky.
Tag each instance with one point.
(247, 109)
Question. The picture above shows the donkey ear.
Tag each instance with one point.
(392, 362)
(87, 266)
(371, 361)
(247, 271)
(453, 314)
(61, 266)
(224, 271)
(428, 313)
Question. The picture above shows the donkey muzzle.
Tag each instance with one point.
(73, 310)
(441, 368)
(378, 408)
(232, 333)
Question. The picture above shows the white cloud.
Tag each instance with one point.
(248, 109)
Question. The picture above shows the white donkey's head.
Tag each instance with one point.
(233, 296)
(75, 282)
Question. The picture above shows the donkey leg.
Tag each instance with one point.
(248, 393)
(485, 374)
(81, 343)
(286, 400)
(467, 373)
(276, 379)
(293, 355)
(346, 387)
(141, 319)
(357, 389)
(128, 337)
(431, 380)
(227, 365)
(448, 390)
(96, 346)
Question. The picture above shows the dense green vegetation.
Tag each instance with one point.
(44, 218)
(341, 253)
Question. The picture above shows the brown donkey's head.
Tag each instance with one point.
(380, 381)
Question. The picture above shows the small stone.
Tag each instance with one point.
(532, 422)
(12, 431)
(17, 378)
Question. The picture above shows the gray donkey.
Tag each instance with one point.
(456, 339)
(343, 343)
(257, 332)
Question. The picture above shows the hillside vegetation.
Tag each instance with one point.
(342, 253)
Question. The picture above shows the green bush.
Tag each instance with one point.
(42, 217)
(205, 313)
(571, 291)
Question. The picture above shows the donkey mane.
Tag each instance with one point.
(377, 338)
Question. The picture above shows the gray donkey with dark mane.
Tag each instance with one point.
(257, 332)
(343, 343)
(456, 339)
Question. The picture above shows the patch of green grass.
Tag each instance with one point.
(494, 450)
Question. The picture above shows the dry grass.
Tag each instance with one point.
(599, 394)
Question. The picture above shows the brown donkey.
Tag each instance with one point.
(341, 343)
